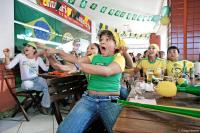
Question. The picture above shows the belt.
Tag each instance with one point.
(111, 98)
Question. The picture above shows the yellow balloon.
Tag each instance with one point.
(166, 89)
(164, 20)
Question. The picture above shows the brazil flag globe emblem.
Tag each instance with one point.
(42, 30)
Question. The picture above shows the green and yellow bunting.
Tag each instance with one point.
(71, 2)
(124, 34)
(103, 9)
(111, 12)
(122, 14)
(129, 15)
(83, 3)
(117, 13)
(93, 6)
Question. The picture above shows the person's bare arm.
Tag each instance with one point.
(128, 59)
(67, 57)
(111, 69)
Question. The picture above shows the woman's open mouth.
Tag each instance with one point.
(103, 48)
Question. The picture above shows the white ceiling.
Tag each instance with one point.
(139, 7)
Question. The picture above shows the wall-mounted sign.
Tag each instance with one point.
(67, 12)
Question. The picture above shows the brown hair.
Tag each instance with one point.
(107, 33)
(110, 35)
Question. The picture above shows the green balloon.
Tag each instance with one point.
(165, 11)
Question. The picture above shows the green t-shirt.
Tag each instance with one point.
(105, 83)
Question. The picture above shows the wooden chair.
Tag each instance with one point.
(8, 76)
(59, 88)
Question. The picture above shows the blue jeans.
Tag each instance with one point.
(86, 110)
(38, 84)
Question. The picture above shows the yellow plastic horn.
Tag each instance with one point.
(166, 89)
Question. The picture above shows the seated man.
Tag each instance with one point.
(152, 62)
(29, 65)
(175, 67)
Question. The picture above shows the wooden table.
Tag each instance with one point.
(134, 120)
(61, 87)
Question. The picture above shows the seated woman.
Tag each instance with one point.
(152, 62)
(29, 66)
(103, 88)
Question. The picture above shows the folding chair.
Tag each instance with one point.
(8, 76)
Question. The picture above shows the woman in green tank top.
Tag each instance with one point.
(103, 87)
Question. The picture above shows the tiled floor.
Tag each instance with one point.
(38, 123)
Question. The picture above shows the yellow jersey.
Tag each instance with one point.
(176, 67)
(144, 65)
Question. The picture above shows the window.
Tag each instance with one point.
(191, 47)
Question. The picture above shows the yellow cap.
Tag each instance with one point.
(155, 46)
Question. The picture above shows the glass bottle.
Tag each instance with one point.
(184, 70)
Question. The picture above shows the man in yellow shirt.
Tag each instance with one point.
(175, 67)
(152, 62)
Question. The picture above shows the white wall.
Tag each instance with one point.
(7, 26)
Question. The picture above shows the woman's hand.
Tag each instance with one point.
(123, 50)
(69, 68)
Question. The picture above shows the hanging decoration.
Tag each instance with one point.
(129, 15)
(156, 18)
(71, 2)
(46, 2)
(165, 11)
(86, 19)
(122, 14)
(68, 12)
(93, 6)
(125, 34)
(117, 13)
(164, 20)
(58, 4)
(103, 9)
(111, 12)
(83, 3)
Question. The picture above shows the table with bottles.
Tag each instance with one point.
(140, 119)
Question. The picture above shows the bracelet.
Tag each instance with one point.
(77, 67)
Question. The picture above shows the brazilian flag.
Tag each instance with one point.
(41, 29)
